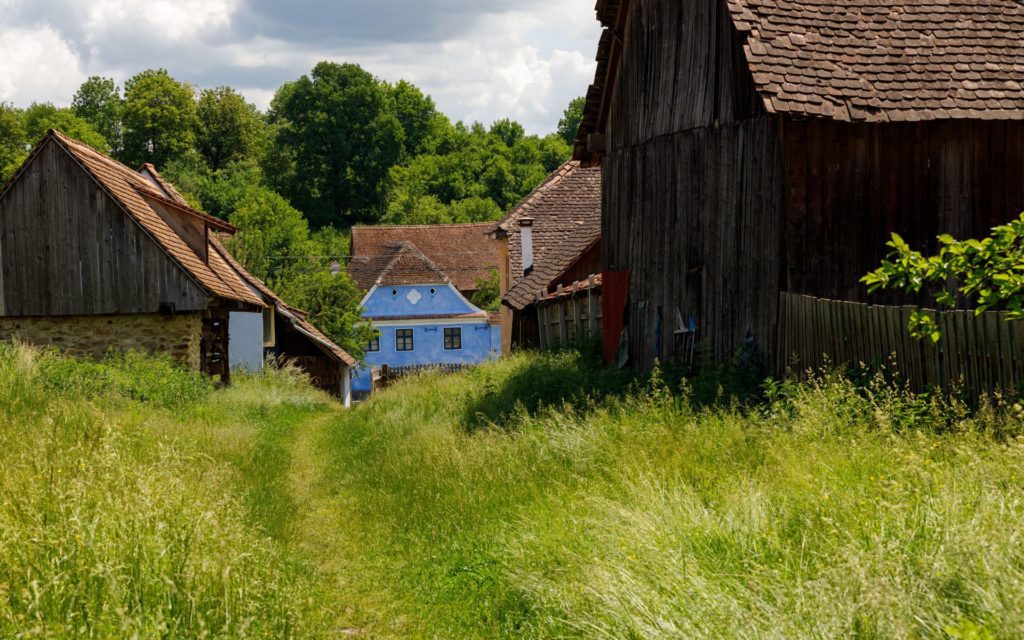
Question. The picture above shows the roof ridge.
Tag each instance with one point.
(407, 246)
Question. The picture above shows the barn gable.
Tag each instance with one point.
(81, 234)
(68, 248)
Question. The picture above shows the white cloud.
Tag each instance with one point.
(37, 65)
(483, 61)
(176, 20)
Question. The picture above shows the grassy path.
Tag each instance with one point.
(316, 536)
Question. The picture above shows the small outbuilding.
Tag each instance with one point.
(95, 257)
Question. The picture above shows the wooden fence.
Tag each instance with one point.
(570, 313)
(385, 375)
(982, 354)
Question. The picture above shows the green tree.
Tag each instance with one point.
(12, 142)
(569, 125)
(421, 123)
(988, 273)
(271, 233)
(342, 138)
(409, 208)
(98, 102)
(159, 118)
(228, 127)
(332, 302)
(41, 117)
(475, 209)
(488, 292)
(509, 131)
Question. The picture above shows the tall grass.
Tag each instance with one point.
(126, 509)
(829, 511)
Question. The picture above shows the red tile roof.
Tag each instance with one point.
(407, 265)
(462, 252)
(130, 190)
(566, 214)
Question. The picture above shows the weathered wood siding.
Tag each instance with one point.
(682, 68)
(696, 220)
(850, 186)
(67, 248)
(693, 184)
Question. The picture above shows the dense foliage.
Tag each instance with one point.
(337, 147)
(987, 273)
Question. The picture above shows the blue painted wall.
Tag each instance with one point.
(480, 340)
(395, 301)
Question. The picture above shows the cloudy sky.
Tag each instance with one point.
(479, 59)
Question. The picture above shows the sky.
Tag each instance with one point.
(481, 60)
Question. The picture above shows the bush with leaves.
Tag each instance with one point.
(989, 273)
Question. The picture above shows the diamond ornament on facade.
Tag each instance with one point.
(414, 297)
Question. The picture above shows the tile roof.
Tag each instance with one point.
(407, 265)
(462, 252)
(566, 213)
(296, 317)
(903, 60)
(860, 60)
(130, 190)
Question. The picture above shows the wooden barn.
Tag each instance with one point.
(550, 249)
(758, 149)
(95, 256)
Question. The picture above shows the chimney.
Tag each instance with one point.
(526, 237)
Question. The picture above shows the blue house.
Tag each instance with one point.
(423, 319)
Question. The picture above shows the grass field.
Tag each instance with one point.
(538, 497)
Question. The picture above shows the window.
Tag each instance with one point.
(374, 345)
(453, 339)
(403, 340)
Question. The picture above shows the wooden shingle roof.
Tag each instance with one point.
(462, 252)
(566, 215)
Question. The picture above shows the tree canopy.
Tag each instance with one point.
(159, 118)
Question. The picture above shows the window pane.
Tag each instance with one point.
(453, 338)
(403, 340)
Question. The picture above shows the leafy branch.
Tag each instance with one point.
(989, 273)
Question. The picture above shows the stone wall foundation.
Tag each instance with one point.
(177, 336)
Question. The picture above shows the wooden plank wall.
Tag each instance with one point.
(693, 182)
(682, 67)
(69, 249)
(696, 219)
(570, 319)
(980, 354)
(850, 186)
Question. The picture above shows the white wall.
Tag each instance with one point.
(245, 341)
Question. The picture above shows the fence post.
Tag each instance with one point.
(563, 329)
(591, 308)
